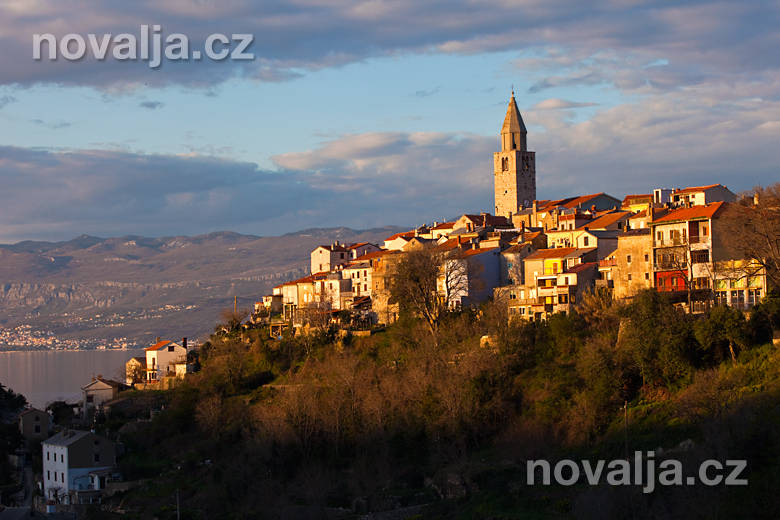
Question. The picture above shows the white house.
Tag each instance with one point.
(162, 357)
(98, 392)
(68, 459)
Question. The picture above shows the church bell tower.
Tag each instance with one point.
(514, 166)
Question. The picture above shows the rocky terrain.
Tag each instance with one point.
(137, 287)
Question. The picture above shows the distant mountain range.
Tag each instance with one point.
(139, 287)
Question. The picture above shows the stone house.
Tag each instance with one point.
(34, 424)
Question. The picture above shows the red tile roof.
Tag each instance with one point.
(405, 234)
(696, 188)
(444, 225)
(641, 197)
(159, 345)
(559, 252)
(474, 252)
(569, 203)
(487, 219)
(606, 220)
(370, 256)
(694, 212)
(581, 267)
(333, 247)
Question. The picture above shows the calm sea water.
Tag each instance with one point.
(50, 375)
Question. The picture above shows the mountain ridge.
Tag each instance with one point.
(96, 288)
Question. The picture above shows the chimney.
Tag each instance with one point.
(157, 339)
(755, 199)
(184, 343)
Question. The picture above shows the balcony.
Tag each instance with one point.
(674, 242)
(609, 262)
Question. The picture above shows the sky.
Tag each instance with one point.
(372, 113)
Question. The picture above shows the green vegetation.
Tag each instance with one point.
(11, 404)
(324, 425)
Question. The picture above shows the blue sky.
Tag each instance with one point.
(372, 113)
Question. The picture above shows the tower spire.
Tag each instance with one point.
(513, 122)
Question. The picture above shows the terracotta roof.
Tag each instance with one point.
(444, 225)
(694, 212)
(640, 214)
(474, 252)
(581, 267)
(517, 248)
(369, 256)
(361, 244)
(607, 220)
(559, 252)
(487, 219)
(405, 234)
(637, 197)
(340, 248)
(158, 345)
(696, 188)
(569, 203)
(451, 243)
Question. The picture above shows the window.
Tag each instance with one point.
(704, 230)
(585, 241)
(660, 236)
(37, 419)
(62, 457)
(63, 476)
(629, 277)
(97, 457)
(47, 455)
(37, 428)
(48, 475)
(170, 348)
(647, 257)
(628, 259)
(701, 256)
(647, 276)
(55, 476)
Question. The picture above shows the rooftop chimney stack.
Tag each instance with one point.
(184, 343)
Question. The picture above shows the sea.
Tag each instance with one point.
(44, 376)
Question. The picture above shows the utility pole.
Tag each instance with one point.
(178, 511)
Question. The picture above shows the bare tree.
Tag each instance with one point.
(752, 229)
(232, 319)
(430, 283)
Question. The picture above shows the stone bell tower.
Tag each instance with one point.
(514, 166)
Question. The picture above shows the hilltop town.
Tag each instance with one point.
(538, 256)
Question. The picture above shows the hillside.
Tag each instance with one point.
(406, 423)
(139, 287)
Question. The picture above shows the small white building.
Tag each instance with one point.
(68, 460)
(98, 392)
(162, 357)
